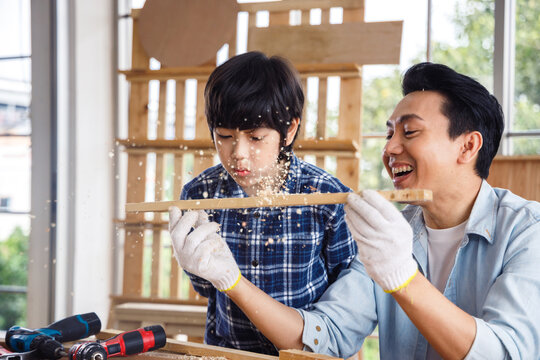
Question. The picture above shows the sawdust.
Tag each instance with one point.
(191, 357)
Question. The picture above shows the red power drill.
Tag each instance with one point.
(124, 344)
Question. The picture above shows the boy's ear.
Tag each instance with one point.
(472, 143)
(293, 128)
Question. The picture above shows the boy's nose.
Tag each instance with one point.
(240, 149)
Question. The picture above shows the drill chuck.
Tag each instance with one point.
(87, 351)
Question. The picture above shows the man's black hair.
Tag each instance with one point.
(468, 105)
(251, 90)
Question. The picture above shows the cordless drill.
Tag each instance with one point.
(127, 343)
(47, 341)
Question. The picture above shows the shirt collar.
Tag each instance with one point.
(482, 219)
(291, 183)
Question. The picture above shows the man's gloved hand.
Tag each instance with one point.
(202, 252)
(384, 239)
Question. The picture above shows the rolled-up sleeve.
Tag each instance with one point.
(509, 326)
(345, 314)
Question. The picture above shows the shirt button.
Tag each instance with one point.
(316, 342)
(255, 263)
(318, 328)
(256, 214)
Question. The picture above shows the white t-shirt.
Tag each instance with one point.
(443, 245)
(442, 248)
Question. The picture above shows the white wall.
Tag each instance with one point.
(84, 90)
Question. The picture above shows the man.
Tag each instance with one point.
(458, 277)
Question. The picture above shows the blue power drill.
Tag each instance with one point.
(47, 342)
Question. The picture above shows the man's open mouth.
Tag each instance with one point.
(401, 171)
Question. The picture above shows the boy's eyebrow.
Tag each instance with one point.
(404, 118)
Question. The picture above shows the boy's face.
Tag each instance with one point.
(419, 152)
(250, 157)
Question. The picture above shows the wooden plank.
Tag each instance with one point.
(156, 260)
(279, 200)
(350, 127)
(519, 174)
(202, 161)
(207, 144)
(186, 32)
(279, 18)
(302, 355)
(321, 117)
(360, 43)
(136, 175)
(203, 72)
(299, 5)
(195, 349)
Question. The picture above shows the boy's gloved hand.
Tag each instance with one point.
(202, 252)
(384, 239)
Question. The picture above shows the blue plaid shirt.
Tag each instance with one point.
(291, 253)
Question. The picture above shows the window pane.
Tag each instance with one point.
(14, 67)
(463, 37)
(15, 167)
(527, 77)
(14, 231)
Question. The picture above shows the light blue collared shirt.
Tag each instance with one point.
(495, 278)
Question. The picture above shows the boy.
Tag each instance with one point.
(253, 108)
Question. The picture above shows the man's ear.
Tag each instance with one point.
(472, 143)
(293, 128)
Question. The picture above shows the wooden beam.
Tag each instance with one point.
(173, 348)
(356, 42)
(302, 355)
(406, 196)
(345, 70)
(330, 144)
(299, 5)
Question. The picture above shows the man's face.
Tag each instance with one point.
(418, 152)
(249, 156)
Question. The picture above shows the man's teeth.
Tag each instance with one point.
(401, 169)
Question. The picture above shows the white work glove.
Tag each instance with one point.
(202, 252)
(384, 240)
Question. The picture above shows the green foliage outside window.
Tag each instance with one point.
(13, 271)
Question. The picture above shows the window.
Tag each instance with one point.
(15, 159)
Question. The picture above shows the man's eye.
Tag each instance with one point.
(389, 136)
(410, 132)
(257, 138)
(223, 136)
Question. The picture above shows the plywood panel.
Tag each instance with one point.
(519, 174)
(361, 43)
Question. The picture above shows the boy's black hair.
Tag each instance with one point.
(468, 105)
(251, 90)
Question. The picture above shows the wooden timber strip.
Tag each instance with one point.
(196, 349)
(279, 200)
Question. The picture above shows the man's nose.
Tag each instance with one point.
(393, 146)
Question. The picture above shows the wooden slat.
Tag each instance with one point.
(360, 43)
(302, 355)
(156, 260)
(202, 161)
(350, 127)
(321, 117)
(519, 174)
(279, 200)
(279, 18)
(203, 72)
(299, 5)
(176, 275)
(137, 130)
(206, 145)
(189, 348)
